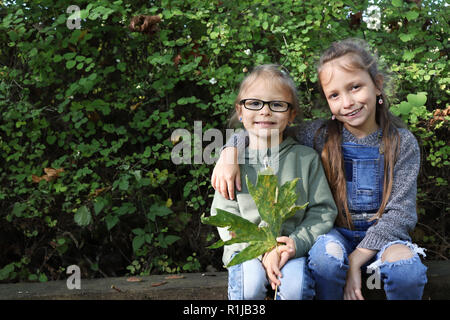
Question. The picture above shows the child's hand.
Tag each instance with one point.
(271, 261)
(286, 251)
(352, 289)
(226, 173)
(274, 260)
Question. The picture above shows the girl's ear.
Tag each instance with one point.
(379, 79)
(238, 109)
(292, 115)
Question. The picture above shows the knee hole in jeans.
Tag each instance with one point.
(335, 250)
(397, 252)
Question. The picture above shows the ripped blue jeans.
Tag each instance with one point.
(403, 279)
(248, 281)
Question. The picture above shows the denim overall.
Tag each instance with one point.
(364, 172)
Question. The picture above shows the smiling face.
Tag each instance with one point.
(264, 124)
(351, 95)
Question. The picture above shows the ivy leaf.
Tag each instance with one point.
(99, 204)
(405, 37)
(158, 210)
(275, 204)
(70, 64)
(404, 108)
(397, 3)
(418, 99)
(411, 15)
(57, 58)
(138, 241)
(408, 55)
(83, 216)
(111, 221)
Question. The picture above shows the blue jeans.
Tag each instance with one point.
(403, 279)
(248, 281)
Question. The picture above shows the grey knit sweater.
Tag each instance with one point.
(400, 216)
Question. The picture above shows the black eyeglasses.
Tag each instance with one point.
(275, 106)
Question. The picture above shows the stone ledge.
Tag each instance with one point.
(193, 286)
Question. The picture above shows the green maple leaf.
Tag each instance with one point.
(275, 204)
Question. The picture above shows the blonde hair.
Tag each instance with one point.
(278, 76)
(332, 158)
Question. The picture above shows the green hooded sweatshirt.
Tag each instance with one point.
(289, 161)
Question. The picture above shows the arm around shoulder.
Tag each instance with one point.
(238, 140)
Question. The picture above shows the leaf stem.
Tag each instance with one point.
(276, 286)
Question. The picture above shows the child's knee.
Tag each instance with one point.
(254, 280)
(335, 249)
(329, 259)
(397, 252)
(254, 287)
(297, 282)
(327, 248)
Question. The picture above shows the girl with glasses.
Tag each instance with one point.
(267, 102)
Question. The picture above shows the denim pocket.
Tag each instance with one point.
(366, 188)
(364, 170)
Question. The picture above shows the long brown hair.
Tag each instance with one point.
(332, 157)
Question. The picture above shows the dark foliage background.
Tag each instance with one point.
(87, 114)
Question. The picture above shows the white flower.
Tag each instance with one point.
(247, 52)
(213, 81)
(373, 19)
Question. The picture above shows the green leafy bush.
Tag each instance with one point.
(87, 115)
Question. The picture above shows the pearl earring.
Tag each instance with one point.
(333, 117)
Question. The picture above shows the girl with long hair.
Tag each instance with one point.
(371, 162)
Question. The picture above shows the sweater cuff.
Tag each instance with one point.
(373, 242)
(300, 247)
(237, 140)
